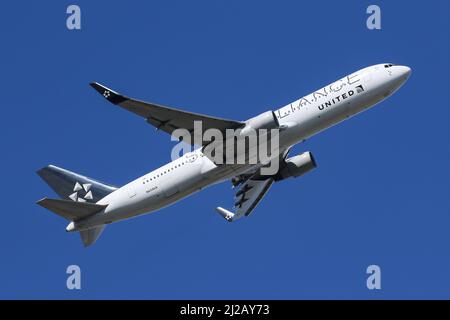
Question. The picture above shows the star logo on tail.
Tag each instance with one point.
(86, 188)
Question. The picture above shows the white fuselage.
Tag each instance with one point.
(302, 119)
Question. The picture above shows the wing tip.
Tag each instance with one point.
(109, 94)
(227, 215)
(39, 202)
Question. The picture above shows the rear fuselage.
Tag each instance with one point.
(300, 119)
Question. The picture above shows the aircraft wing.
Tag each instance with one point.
(250, 189)
(247, 198)
(165, 118)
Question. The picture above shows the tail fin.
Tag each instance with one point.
(79, 196)
(70, 185)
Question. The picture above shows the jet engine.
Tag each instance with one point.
(296, 166)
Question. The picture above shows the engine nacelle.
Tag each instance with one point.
(267, 120)
(297, 166)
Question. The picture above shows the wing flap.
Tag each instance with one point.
(247, 198)
(250, 189)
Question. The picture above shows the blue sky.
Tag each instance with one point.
(379, 196)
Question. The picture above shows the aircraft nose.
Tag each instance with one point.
(398, 76)
(404, 71)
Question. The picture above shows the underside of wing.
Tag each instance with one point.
(247, 198)
(250, 188)
(165, 118)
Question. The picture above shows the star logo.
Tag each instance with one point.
(86, 187)
(106, 94)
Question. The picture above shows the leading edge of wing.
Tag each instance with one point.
(145, 109)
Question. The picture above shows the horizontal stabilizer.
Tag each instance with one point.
(69, 209)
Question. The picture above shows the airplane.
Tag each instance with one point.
(89, 205)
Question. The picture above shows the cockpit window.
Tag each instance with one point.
(388, 65)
